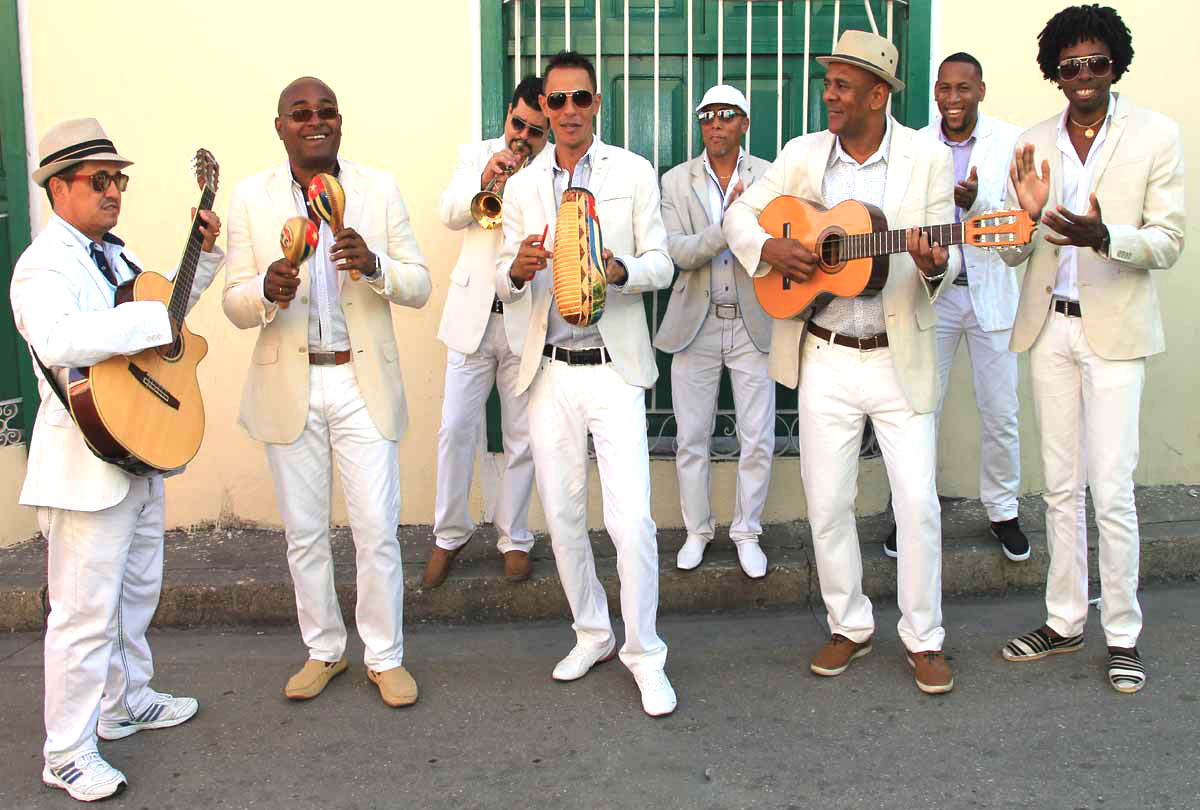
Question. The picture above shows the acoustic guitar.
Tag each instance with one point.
(144, 413)
(852, 243)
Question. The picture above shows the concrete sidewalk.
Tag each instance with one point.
(239, 576)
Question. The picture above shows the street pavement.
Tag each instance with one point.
(754, 729)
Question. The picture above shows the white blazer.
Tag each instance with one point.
(627, 202)
(473, 279)
(64, 309)
(275, 398)
(919, 191)
(993, 284)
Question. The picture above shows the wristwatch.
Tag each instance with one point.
(374, 274)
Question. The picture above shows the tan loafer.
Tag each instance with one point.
(439, 566)
(931, 671)
(396, 686)
(833, 658)
(313, 677)
(517, 566)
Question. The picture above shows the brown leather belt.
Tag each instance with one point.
(862, 344)
(329, 358)
(1068, 308)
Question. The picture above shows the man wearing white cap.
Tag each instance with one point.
(103, 525)
(866, 356)
(714, 320)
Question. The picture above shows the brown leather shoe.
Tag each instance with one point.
(517, 566)
(439, 565)
(313, 677)
(396, 686)
(836, 655)
(931, 671)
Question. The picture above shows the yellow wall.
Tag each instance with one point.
(403, 75)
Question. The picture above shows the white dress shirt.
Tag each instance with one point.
(1076, 189)
(721, 280)
(558, 331)
(847, 179)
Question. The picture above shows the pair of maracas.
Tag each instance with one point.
(300, 235)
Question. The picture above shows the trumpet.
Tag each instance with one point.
(487, 207)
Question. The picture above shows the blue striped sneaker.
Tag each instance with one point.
(1039, 644)
(87, 778)
(164, 712)
(1126, 672)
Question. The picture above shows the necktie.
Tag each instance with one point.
(102, 262)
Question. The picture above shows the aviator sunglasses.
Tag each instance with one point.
(102, 180)
(520, 124)
(708, 116)
(582, 99)
(305, 114)
(1098, 65)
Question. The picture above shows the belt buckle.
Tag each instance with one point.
(863, 346)
(723, 308)
(322, 358)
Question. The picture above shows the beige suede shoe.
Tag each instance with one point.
(396, 686)
(313, 677)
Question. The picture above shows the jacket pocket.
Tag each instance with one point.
(266, 354)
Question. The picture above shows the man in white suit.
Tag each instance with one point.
(865, 356)
(324, 383)
(592, 379)
(1111, 192)
(103, 525)
(714, 320)
(484, 346)
(980, 305)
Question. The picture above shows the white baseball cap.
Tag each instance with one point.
(725, 94)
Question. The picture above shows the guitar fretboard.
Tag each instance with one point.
(882, 243)
(182, 292)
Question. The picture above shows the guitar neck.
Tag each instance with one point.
(182, 291)
(883, 243)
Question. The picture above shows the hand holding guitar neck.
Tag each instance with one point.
(297, 240)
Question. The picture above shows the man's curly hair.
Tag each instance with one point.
(1075, 24)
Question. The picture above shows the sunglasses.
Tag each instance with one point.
(708, 116)
(305, 114)
(102, 180)
(582, 99)
(520, 124)
(1097, 65)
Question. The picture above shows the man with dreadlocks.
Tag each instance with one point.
(1110, 190)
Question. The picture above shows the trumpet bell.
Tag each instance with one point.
(487, 209)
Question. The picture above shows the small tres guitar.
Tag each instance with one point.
(144, 413)
(852, 243)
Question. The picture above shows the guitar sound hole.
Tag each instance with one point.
(831, 250)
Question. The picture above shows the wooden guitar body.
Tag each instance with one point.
(143, 413)
(824, 232)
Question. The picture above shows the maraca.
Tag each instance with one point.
(298, 240)
(328, 199)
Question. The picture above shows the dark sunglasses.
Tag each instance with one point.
(1097, 65)
(708, 116)
(305, 114)
(520, 124)
(101, 180)
(582, 99)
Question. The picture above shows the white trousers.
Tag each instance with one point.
(565, 404)
(839, 386)
(339, 430)
(695, 381)
(104, 572)
(994, 373)
(1087, 409)
(469, 379)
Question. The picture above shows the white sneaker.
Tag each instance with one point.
(751, 558)
(658, 698)
(87, 778)
(692, 553)
(581, 659)
(164, 712)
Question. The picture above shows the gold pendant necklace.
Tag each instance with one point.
(1089, 130)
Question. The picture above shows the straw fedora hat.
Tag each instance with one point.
(72, 142)
(868, 51)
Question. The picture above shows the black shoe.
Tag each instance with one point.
(1012, 540)
(889, 542)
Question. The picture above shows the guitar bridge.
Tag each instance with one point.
(153, 386)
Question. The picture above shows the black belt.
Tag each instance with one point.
(577, 357)
(862, 344)
(1070, 308)
(497, 305)
(961, 279)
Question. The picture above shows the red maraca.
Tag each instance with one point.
(328, 199)
(298, 240)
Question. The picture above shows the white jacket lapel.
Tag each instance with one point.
(1116, 128)
(700, 187)
(899, 171)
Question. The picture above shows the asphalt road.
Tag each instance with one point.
(753, 727)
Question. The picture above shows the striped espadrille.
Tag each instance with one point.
(1126, 672)
(1039, 644)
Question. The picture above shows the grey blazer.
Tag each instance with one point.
(693, 241)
